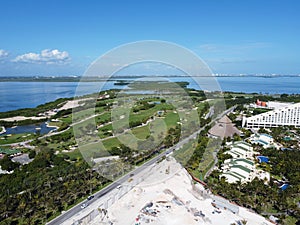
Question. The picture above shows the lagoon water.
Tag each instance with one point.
(16, 95)
(40, 128)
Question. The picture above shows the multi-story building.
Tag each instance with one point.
(286, 116)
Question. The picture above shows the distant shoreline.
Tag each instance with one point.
(31, 92)
(116, 78)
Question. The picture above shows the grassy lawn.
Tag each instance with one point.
(99, 110)
(81, 115)
(9, 151)
(106, 128)
(191, 117)
(127, 139)
(76, 154)
(171, 119)
(143, 115)
(111, 142)
(94, 150)
(150, 112)
(103, 131)
(141, 132)
(59, 146)
(159, 128)
(103, 118)
(14, 138)
(67, 119)
(85, 127)
(55, 124)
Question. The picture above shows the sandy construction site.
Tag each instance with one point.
(167, 195)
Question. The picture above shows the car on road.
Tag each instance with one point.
(83, 206)
(90, 197)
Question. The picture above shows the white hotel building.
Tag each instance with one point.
(286, 116)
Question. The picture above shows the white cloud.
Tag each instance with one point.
(46, 56)
(3, 53)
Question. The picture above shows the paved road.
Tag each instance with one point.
(73, 211)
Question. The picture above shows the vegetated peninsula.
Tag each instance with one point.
(44, 174)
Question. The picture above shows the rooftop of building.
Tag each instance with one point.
(236, 161)
(247, 170)
(224, 128)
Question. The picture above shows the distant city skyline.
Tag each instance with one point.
(48, 38)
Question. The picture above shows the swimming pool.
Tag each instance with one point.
(284, 186)
(262, 159)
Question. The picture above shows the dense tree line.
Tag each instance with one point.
(7, 164)
(194, 161)
(36, 192)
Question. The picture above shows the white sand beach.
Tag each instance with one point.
(68, 105)
(74, 103)
(19, 118)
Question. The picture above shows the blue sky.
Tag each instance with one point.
(60, 37)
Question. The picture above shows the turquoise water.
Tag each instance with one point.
(16, 95)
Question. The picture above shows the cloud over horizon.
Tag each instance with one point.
(3, 53)
(46, 56)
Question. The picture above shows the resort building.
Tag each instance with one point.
(223, 128)
(241, 149)
(241, 167)
(270, 104)
(285, 116)
(235, 170)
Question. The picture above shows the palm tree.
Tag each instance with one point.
(244, 221)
